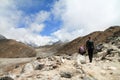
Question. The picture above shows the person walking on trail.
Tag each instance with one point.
(90, 48)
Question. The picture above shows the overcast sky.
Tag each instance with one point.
(43, 21)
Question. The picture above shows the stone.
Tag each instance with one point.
(55, 66)
(27, 68)
(38, 58)
(36, 64)
(6, 78)
(16, 66)
(66, 74)
(81, 59)
(109, 51)
(88, 77)
(99, 48)
(103, 72)
(111, 73)
(39, 67)
(118, 60)
(111, 68)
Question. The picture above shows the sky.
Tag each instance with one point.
(42, 22)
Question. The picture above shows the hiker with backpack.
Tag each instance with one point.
(90, 48)
(82, 50)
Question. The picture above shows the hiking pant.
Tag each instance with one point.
(90, 54)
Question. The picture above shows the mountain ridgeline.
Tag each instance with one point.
(98, 37)
(12, 49)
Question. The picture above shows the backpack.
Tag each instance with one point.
(82, 50)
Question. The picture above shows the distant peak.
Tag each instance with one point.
(2, 37)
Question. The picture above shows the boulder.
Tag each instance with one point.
(111, 68)
(66, 74)
(81, 59)
(36, 64)
(103, 72)
(99, 48)
(6, 78)
(27, 68)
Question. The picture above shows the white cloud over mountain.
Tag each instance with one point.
(78, 17)
(11, 18)
(81, 17)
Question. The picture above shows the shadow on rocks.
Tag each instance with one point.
(6, 78)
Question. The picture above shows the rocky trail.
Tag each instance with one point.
(65, 68)
(70, 67)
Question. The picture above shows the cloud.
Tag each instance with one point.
(37, 22)
(15, 24)
(23, 34)
(9, 16)
(36, 27)
(82, 17)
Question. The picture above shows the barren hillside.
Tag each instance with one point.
(98, 37)
(13, 49)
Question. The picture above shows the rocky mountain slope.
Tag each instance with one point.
(98, 37)
(105, 66)
(12, 49)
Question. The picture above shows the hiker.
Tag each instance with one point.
(90, 48)
(82, 50)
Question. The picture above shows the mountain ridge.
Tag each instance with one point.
(97, 36)
(12, 49)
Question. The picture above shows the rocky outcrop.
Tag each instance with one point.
(111, 48)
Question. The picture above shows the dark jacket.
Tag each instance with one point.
(89, 44)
